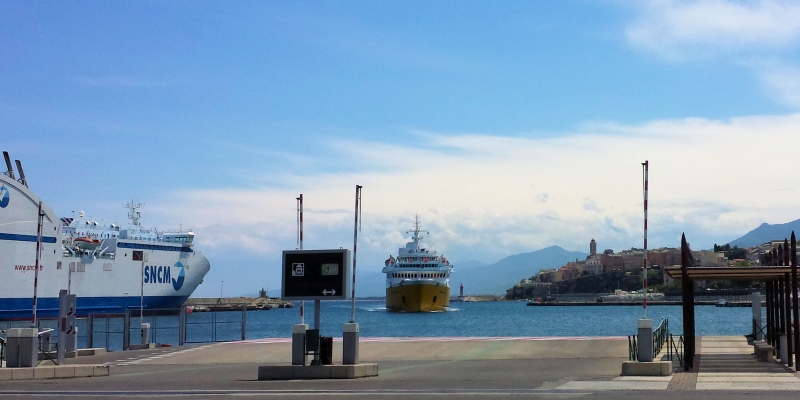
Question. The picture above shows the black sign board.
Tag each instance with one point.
(316, 274)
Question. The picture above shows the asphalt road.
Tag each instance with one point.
(472, 369)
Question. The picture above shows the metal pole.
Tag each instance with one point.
(787, 304)
(89, 331)
(126, 328)
(36, 267)
(775, 316)
(141, 297)
(182, 326)
(317, 304)
(646, 165)
(795, 311)
(300, 235)
(781, 313)
(244, 321)
(355, 248)
(687, 289)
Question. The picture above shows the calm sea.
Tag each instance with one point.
(503, 318)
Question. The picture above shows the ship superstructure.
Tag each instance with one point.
(418, 279)
(110, 267)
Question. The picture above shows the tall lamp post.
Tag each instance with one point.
(350, 330)
(644, 325)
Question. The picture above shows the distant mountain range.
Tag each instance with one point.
(766, 232)
(480, 278)
(502, 275)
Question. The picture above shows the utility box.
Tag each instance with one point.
(45, 341)
(325, 350)
(299, 344)
(22, 347)
(145, 333)
(312, 340)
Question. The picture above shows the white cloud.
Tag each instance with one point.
(714, 180)
(782, 80)
(684, 29)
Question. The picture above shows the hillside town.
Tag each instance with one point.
(629, 264)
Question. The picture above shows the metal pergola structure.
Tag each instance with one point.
(778, 271)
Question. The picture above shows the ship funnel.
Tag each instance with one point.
(9, 171)
(22, 179)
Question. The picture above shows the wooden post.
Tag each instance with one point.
(687, 291)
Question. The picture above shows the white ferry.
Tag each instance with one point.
(109, 267)
(417, 280)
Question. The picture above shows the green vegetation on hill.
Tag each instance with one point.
(600, 283)
(731, 253)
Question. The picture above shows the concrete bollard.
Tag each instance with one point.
(22, 347)
(645, 340)
(784, 349)
(350, 345)
(72, 341)
(299, 344)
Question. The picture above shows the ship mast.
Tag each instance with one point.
(133, 212)
(417, 229)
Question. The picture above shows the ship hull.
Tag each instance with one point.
(48, 307)
(417, 298)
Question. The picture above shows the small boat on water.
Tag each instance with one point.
(722, 303)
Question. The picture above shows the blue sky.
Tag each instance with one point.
(509, 126)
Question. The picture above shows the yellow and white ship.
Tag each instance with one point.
(417, 280)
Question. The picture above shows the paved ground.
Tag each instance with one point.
(463, 368)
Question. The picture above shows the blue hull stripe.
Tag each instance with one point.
(47, 307)
(143, 246)
(26, 238)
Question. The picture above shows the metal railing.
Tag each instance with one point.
(675, 349)
(167, 326)
(194, 332)
(633, 348)
(660, 336)
(110, 327)
(46, 346)
(163, 321)
(758, 332)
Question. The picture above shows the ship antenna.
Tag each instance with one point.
(417, 230)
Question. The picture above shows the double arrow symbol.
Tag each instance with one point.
(327, 292)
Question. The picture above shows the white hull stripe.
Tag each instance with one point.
(26, 238)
